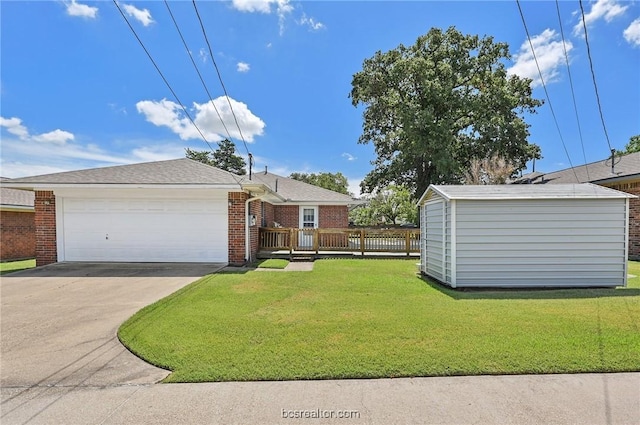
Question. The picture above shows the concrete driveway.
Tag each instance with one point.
(59, 322)
(62, 364)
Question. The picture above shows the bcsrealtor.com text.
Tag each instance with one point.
(319, 414)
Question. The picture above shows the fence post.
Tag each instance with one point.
(362, 242)
(316, 240)
(407, 241)
(291, 235)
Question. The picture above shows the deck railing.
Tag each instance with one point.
(343, 240)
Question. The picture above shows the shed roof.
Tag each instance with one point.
(503, 192)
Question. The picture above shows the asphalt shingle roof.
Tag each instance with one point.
(176, 171)
(297, 191)
(627, 166)
(16, 197)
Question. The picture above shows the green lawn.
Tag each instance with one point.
(273, 263)
(14, 266)
(377, 318)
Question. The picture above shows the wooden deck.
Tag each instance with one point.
(295, 243)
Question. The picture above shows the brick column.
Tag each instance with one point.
(45, 218)
(236, 227)
(634, 224)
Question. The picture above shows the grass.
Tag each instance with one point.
(14, 266)
(273, 263)
(377, 318)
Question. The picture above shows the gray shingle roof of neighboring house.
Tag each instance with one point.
(177, 171)
(297, 191)
(498, 192)
(15, 198)
(626, 166)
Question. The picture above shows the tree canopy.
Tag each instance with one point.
(433, 107)
(633, 145)
(224, 157)
(391, 205)
(336, 182)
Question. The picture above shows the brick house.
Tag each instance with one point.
(170, 211)
(17, 224)
(622, 175)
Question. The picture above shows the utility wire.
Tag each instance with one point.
(213, 60)
(162, 75)
(573, 93)
(545, 91)
(593, 77)
(196, 68)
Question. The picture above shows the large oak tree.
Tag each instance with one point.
(431, 108)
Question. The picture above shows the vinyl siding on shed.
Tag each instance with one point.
(433, 246)
(542, 242)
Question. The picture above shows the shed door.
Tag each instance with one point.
(145, 230)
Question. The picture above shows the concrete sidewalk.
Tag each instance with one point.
(534, 399)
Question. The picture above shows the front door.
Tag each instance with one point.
(308, 220)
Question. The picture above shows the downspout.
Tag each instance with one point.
(247, 235)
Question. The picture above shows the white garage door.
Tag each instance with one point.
(139, 230)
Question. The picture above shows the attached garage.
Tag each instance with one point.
(525, 235)
(142, 228)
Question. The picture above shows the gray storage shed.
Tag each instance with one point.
(571, 235)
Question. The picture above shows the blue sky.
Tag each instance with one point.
(77, 90)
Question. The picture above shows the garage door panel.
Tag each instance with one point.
(145, 230)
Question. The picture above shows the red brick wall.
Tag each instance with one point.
(45, 222)
(287, 215)
(236, 227)
(269, 214)
(333, 216)
(330, 216)
(17, 235)
(256, 209)
(634, 217)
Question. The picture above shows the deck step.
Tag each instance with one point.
(302, 258)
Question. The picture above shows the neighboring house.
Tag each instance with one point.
(623, 175)
(169, 211)
(569, 235)
(17, 224)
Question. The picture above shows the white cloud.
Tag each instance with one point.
(549, 53)
(15, 127)
(311, 23)
(632, 33)
(243, 67)
(348, 156)
(601, 9)
(282, 8)
(76, 9)
(203, 55)
(142, 15)
(354, 187)
(58, 137)
(169, 114)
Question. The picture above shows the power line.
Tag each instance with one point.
(593, 77)
(573, 94)
(555, 120)
(162, 75)
(213, 60)
(196, 68)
